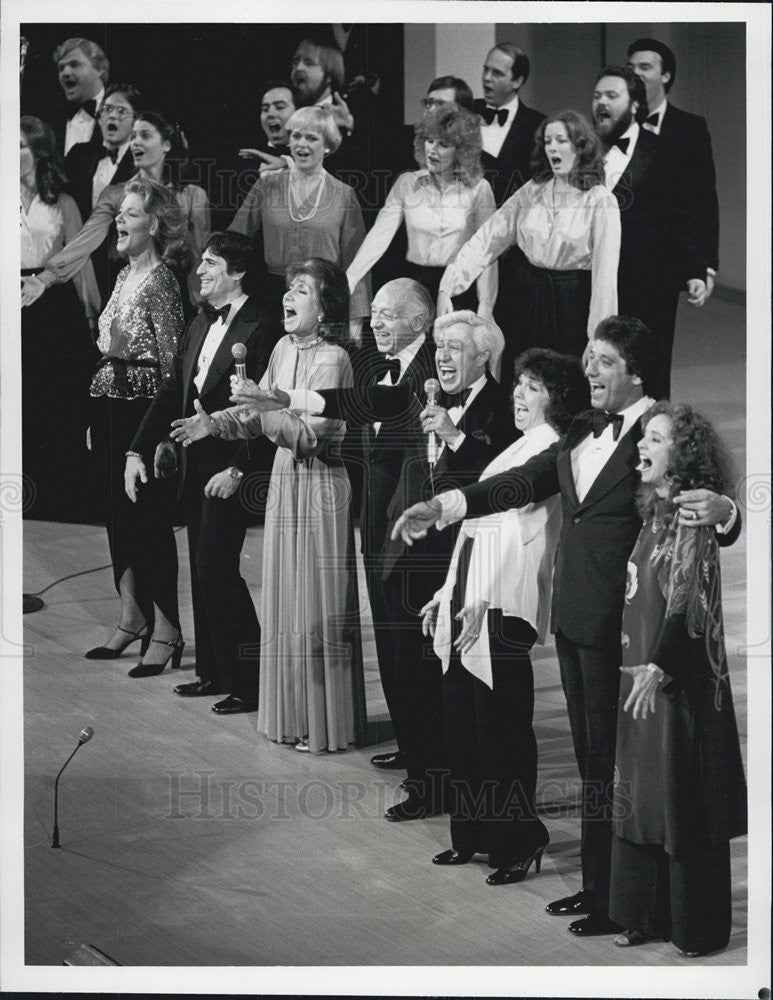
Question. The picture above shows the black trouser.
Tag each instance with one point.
(226, 626)
(591, 681)
(686, 900)
(656, 306)
(491, 749)
(140, 534)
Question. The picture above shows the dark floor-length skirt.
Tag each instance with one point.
(552, 309)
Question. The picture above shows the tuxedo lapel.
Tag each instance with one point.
(621, 463)
(643, 155)
(198, 331)
(239, 332)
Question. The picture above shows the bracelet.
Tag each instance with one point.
(653, 668)
(132, 454)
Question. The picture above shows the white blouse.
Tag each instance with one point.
(438, 223)
(562, 229)
(511, 562)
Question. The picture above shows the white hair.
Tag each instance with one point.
(485, 333)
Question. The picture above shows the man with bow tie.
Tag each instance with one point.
(594, 469)
(472, 423)
(688, 135)
(216, 491)
(83, 71)
(663, 248)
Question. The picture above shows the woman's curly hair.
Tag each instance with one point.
(170, 236)
(563, 378)
(458, 127)
(697, 459)
(49, 168)
(589, 167)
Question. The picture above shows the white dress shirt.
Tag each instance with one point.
(213, 340)
(80, 127)
(660, 110)
(616, 161)
(591, 455)
(105, 171)
(456, 413)
(493, 136)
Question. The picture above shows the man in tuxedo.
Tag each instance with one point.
(216, 492)
(91, 166)
(594, 468)
(83, 72)
(688, 135)
(508, 126)
(662, 249)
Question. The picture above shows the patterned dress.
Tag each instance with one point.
(311, 680)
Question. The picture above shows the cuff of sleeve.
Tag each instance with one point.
(723, 529)
(306, 401)
(456, 444)
(47, 277)
(453, 505)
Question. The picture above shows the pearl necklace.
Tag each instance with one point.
(304, 345)
(291, 195)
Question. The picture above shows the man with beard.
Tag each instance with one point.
(317, 76)
(662, 250)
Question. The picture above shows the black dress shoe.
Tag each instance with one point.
(197, 689)
(593, 925)
(393, 761)
(453, 857)
(569, 906)
(233, 704)
(412, 808)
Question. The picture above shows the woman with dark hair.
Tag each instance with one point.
(56, 351)
(680, 792)
(492, 608)
(442, 205)
(311, 680)
(304, 211)
(139, 331)
(567, 224)
(159, 149)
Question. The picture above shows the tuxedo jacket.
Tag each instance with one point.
(508, 171)
(397, 472)
(661, 242)
(597, 533)
(80, 165)
(690, 140)
(255, 327)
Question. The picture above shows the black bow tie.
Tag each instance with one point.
(600, 420)
(388, 365)
(622, 144)
(458, 398)
(489, 114)
(112, 153)
(213, 315)
(90, 107)
(653, 119)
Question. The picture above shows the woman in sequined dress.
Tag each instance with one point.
(311, 680)
(139, 332)
(680, 792)
(158, 148)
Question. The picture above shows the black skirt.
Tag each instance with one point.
(552, 309)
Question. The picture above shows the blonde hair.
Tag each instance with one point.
(320, 120)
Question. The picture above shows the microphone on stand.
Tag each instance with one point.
(432, 389)
(85, 735)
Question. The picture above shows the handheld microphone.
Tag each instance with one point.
(239, 352)
(84, 736)
(432, 389)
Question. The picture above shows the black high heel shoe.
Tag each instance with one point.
(453, 857)
(509, 876)
(151, 669)
(105, 653)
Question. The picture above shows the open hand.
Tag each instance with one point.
(642, 696)
(194, 428)
(245, 391)
(415, 522)
(31, 289)
(472, 615)
(429, 617)
(133, 470)
(698, 508)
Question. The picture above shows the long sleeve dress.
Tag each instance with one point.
(138, 339)
(333, 230)
(680, 791)
(488, 692)
(437, 223)
(311, 679)
(571, 243)
(57, 359)
(194, 204)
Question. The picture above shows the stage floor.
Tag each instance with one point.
(191, 840)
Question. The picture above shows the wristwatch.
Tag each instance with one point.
(235, 473)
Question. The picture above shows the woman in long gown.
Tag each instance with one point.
(567, 224)
(139, 332)
(154, 141)
(680, 791)
(311, 680)
(499, 584)
(57, 352)
(442, 204)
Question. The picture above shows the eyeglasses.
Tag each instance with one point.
(115, 109)
(432, 102)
